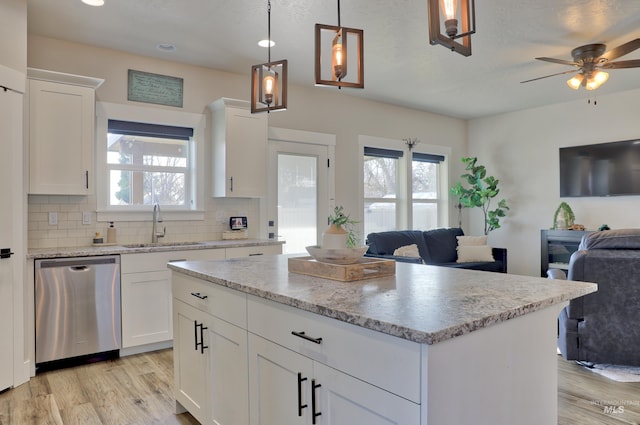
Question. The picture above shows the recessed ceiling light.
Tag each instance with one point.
(265, 43)
(166, 47)
(93, 2)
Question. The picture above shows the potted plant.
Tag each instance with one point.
(481, 190)
(563, 218)
(340, 233)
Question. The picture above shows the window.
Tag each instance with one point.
(148, 163)
(402, 189)
(147, 155)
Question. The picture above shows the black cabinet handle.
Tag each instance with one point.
(199, 295)
(314, 414)
(5, 253)
(231, 185)
(199, 344)
(300, 405)
(86, 178)
(308, 338)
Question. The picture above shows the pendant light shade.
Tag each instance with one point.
(339, 58)
(451, 24)
(269, 81)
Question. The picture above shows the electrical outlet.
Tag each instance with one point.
(53, 218)
(86, 217)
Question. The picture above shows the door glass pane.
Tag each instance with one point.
(297, 201)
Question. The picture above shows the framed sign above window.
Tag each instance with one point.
(155, 88)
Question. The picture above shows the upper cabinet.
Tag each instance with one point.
(239, 150)
(61, 132)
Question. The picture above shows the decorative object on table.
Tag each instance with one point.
(337, 256)
(340, 233)
(563, 218)
(604, 227)
(364, 268)
(482, 189)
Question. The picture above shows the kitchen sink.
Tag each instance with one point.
(158, 244)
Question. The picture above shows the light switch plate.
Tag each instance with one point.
(53, 218)
(86, 217)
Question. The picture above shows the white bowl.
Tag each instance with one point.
(337, 256)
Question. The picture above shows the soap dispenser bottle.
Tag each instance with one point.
(111, 233)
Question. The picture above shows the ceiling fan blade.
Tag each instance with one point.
(622, 50)
(560, 61)
(635, 63)
(547, 76)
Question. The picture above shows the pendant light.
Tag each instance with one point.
(446, 15)
(334, 63)
(269, 80)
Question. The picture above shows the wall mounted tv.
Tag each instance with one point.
(604, 169)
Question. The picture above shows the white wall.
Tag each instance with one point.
(521, 149)
(319, 109)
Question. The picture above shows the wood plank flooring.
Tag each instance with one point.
(138, 390)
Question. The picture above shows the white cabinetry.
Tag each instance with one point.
(210, 352)
(239, 150)
(251, 251)
(61, 133)
(146, 294)
(329, 373)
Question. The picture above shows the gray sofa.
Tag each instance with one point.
(604, 327)
(436, 247)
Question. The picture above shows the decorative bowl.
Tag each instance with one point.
(337, 256)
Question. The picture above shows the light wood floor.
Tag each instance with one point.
(138, 390)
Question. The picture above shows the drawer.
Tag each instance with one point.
(249, 251)
(224, 303)
(382, 360)
(156, 261)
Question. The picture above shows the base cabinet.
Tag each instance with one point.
(287, 387)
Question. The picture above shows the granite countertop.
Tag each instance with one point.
(85, 251)
(425, 304)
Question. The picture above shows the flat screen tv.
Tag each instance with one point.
(604, 169)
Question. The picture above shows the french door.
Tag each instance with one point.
(298, 201)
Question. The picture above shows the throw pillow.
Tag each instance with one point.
(474, 253)
(471, 240)
(407, 251)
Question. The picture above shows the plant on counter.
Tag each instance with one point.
(339, 223)
(482, 189)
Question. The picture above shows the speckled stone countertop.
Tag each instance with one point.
(85, 251)
(425, 304)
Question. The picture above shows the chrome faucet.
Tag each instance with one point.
(157, 218)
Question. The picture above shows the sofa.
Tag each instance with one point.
(602, 327)
(436, 247)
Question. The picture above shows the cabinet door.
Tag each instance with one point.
(250, 251)
(61, 134)
(342, 399)
(146, 308)
(246, 146)
(227, 374)
(190, 360)
(279, 382)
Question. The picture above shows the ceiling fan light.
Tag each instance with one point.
(576, 81)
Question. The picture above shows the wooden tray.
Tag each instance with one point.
(365, 268)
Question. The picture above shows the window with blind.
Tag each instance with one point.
(149, 163)
(401, 189)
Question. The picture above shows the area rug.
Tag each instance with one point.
(616, 372)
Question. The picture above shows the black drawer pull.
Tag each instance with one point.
(305, 336)
(257, 253)
(199, 295)
(300, 405)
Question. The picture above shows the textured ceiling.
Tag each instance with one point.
(400, 66)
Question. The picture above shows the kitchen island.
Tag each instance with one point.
(430, 345)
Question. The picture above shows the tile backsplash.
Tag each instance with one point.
(69, 231)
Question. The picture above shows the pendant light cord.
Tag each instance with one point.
(269, 31)
(339, 13)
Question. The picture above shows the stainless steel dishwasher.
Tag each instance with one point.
(77, 305)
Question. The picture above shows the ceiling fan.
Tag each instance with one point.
(590, 59)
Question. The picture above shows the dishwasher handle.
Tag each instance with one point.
(78, 268)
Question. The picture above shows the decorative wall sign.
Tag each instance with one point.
(155, 88)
